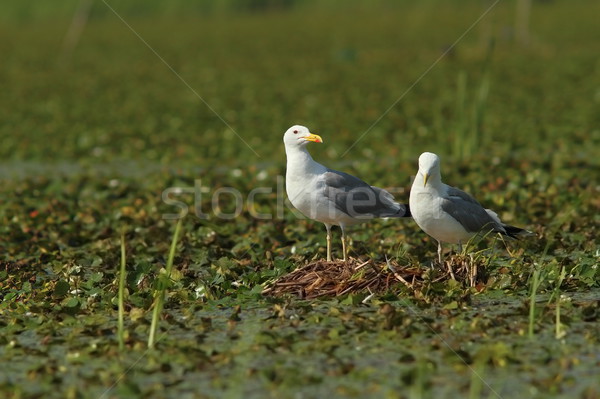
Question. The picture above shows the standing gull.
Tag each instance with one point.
(329, 196)
(447, 213)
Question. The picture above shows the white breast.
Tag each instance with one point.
(426, 209)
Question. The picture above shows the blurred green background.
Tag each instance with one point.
(103, 95)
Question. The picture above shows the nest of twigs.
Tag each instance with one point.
(469, 269)
(330, 279)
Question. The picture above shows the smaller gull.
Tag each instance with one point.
(329, 196)
(447, 213)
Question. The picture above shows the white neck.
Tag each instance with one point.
(299, 160)
(434, 181)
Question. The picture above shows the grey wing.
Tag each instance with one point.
(454, 192)
(356, 198)
(468, 212)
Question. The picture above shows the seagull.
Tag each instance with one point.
(328, 196)
(448, 214)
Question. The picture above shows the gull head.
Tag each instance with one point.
(429, 166)
(299, 135)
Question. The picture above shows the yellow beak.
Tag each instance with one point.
(314, 138)
(425, 177)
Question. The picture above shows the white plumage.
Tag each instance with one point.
(447, 213)
(329, 196)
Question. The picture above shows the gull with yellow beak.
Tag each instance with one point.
(447, 213)
(328, 196)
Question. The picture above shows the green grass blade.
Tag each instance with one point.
(173, 247)
(158, 302)
(120, 324)
(535, 283)
(559, 330)
(160, 293)
(477, 381)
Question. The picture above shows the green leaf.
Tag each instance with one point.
(61, 288)
(451, 305)
(72, 302)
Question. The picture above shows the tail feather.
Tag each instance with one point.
(516, 232)
(403, 212)
(396, 210)
(407, 213)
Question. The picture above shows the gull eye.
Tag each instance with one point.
(295, 132)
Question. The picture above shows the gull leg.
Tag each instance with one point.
(328, 227)
(440, 258)
(343, 242)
